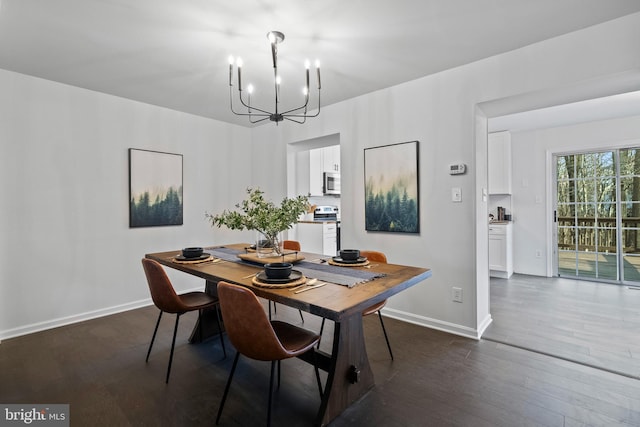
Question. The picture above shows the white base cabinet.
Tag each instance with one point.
(500, 250)
(318, 237)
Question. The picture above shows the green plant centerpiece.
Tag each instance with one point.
(263, 216)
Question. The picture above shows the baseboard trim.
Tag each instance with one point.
(452, 328)
(76, 318)
(63, 321)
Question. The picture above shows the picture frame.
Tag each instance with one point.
(392, 192)
(155, 188)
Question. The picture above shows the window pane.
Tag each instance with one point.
(564, 167)
(586, 211)
(566, 191)
(607, 210)
(566, 238)
(585, 190)
(630, 188)
(629, 162)
(606, 189)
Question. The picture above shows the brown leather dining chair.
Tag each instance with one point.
(165, 298)
(255, 336)
(373, 256)
(292, 245)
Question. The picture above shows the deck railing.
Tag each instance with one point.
(598, 234)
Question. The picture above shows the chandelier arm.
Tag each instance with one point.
(305, 106)
(249, 107)
(260, 120)
(244, 114)
(305, 114)
(293, 120)
(296, 109)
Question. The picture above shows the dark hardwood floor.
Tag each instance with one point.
(436, 379)
(596, 324)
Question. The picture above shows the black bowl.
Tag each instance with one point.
(349, 254)
(192, 252)
(278, 270)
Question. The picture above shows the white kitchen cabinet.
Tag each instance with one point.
(315, 172)
(331, 158)
(317, 237)
(499, 162)
(326, 159)
(500, 250)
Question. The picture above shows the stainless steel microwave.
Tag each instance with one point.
(330, 183)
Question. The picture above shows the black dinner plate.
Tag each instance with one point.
(349, 261)
(197, 258)
(295, 275)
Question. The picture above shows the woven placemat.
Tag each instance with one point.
(262, 284)
(195, 261)
(344, 264)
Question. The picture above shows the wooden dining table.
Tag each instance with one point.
(349, 374)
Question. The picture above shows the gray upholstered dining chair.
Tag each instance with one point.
(374, 256)
(255, 336)
(165, 298)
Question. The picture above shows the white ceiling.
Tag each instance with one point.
(174, 53)
(610, 107)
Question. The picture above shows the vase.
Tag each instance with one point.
(268, 245)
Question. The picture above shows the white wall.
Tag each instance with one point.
(67, 251)
(533, 180)
(440, 111)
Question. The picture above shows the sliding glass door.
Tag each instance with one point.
(597, 215)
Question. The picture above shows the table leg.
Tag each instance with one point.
(350, 376)
(209, 322)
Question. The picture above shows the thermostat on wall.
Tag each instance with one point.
(457, 169)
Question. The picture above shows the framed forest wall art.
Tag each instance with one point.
(391, 188)
(155, 188)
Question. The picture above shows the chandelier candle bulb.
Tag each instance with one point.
(318, 72)
(231, 70)
(239, 63)
(307, 64)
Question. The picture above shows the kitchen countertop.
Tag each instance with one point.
(318, 221)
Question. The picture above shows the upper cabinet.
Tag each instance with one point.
(499, 162)
(326, 159)
(331, 158)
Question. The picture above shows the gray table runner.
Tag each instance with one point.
(346, 276)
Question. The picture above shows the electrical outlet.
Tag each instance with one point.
(456, 294)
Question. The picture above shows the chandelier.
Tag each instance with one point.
(256, 115)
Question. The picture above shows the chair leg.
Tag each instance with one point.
(173, 345)
(273, 366)
(226, 388)
(275, 311)
(153, 338)
(385, 334)
(224, 350)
